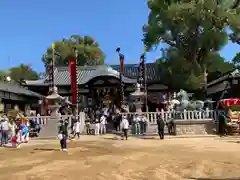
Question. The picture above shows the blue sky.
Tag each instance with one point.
(29, 27)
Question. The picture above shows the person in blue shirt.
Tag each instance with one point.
(24, 132)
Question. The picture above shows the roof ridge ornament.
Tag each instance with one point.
(235, 72)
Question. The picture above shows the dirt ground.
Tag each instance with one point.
(105, 158)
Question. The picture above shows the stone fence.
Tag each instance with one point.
(151, 116)
(177, 115)
(43, 120)
(186, 122)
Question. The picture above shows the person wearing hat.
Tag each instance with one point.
(125, 126)
(4, 130)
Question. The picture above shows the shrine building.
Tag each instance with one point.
(101, 84)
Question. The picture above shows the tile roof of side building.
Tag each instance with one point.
(231, 74)
(16, 89)
(86, 73)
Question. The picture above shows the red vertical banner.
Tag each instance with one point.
(73, 77)
(121, 63)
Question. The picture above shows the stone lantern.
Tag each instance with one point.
(53, 102)
(138, 98)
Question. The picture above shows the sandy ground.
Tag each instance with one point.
(105, 158)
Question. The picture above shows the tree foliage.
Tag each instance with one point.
(19, 74)
(23, 72)
(236, 59)
(3, 74)
(194, 31)
(88, 49)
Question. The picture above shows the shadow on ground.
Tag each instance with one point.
(45, 149)
(147, 138)
(236, 178)
(113, 138)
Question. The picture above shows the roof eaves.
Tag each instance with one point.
(232, 74)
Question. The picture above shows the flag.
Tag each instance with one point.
(141, 71)
(73, 76)
(50, 69)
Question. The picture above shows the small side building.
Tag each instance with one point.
(13, 94)
(226, 86)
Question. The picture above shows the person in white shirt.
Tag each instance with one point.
(125, 126)
(4, 129)
(143, 124)
(97, 125)
(136, 121)
(76, 129)
(12, 128)
(103, 122)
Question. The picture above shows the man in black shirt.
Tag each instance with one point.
(160, 124)
(63, 133)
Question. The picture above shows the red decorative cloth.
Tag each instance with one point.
(73, 77)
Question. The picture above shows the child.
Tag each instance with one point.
(13, 144)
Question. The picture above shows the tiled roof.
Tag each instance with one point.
(34, 82)
(86, 73)
(232, 74)
(16, 89)
(131, 70)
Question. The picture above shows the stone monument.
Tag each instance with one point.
(138, 97)
(50, 129)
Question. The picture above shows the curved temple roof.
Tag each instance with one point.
(86, 73)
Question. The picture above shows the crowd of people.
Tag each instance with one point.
(99, 121)
(17, 131)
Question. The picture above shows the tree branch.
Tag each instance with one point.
(236, 4)
(170, 43)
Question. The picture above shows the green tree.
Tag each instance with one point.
(236, 59)
(3, 75)
(194, 32)
(178, 73)
(22, 72)
(89, 51)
